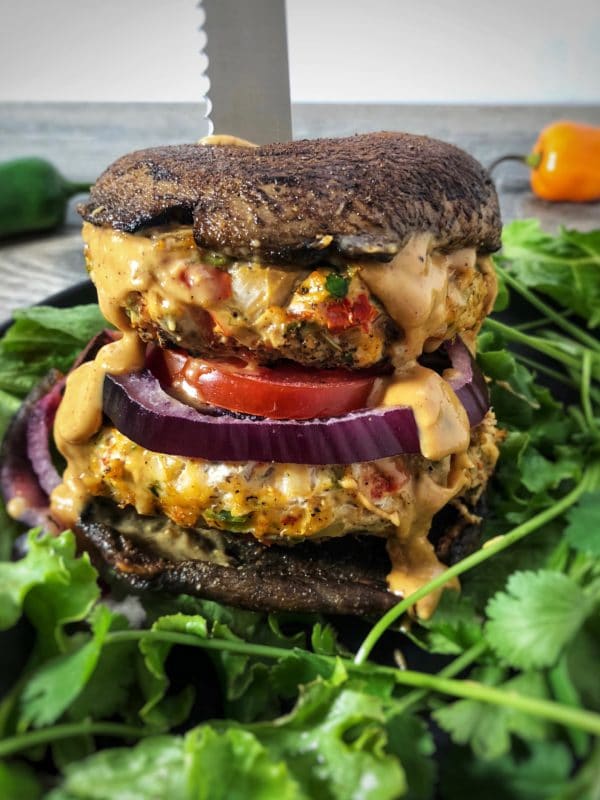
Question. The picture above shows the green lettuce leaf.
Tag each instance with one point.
(43, 337)
(152, 769)
(233, 765)
(51, 586)
(204, 765)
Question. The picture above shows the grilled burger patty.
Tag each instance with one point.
(279, 502)
(174, 293)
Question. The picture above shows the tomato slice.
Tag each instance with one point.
(283, 392)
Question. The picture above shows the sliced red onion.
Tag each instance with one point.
(467, 381)
(39, 427)
(27, 474)
(139, 407)
(19, 482)
(41, 418)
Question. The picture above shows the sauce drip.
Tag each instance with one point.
(225, 140)
(413, 288)
(440, 416)
(413, 557)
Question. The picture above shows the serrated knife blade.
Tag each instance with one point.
(246, 47)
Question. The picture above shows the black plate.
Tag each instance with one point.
(78, 295)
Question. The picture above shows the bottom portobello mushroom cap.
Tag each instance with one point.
(344, 575)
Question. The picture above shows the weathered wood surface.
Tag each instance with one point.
(82, 139)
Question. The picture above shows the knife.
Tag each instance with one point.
(246, 47)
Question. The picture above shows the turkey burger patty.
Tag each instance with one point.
(209, 304)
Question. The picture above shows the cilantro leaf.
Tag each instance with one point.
(565, 691)
(410, 739)
(488, 729)
(296, 669)
(453, 628)
(250, 689)
(503, 296)
(54, 685)
(18, 782)
(112, 687)
(581, 655)
(538, 774)
(586, 784)
(160, 710)
(583, 530)
(532, 621)
(532, 553)
(323, 639)
(565, 266)
(345, 753)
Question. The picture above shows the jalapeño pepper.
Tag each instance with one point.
(33, 196)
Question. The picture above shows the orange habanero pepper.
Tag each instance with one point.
(565, 163)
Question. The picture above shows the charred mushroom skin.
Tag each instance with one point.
(305, 201)
(335, 576)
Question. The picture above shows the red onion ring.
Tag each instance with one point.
(139, 408)
(39, 428)
(27, 474)
(19, 482)
(467, 381)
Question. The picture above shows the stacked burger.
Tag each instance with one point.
(290, 416)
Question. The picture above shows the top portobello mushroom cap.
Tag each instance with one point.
(305, 201)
